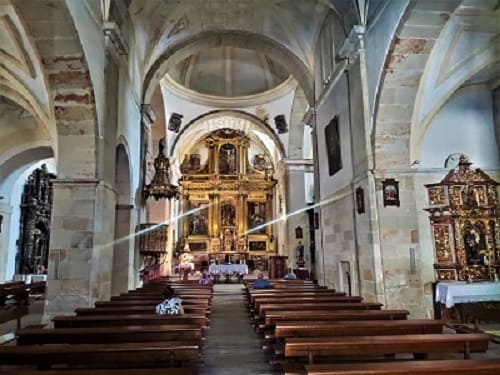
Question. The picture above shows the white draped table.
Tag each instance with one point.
(451, 293)
(241, 269)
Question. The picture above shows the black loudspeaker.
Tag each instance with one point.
(281, 125)
(174, 124)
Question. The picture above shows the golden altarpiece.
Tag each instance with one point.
(230, 199)
(465, 224)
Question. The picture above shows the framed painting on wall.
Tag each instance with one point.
(390, 191)
(332, 137)
(257, 217)
(360, 200)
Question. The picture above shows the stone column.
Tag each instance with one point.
(297, 212)
(81, 247)
(5, 224)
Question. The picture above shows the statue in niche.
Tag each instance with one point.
(260, 163)
(227, 159)
(228, 240)
(191, 163)
(475, 245)
(228, 214)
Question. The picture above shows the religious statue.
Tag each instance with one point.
(228, 214)
(186, 264)
(227, 159)
(228, 242)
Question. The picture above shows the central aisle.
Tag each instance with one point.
(232, 347)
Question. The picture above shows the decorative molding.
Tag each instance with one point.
(192, 96)
(148, 115)
(353, 43)
(115, 39)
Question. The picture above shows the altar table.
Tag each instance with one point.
(450, 293)
(241, 269)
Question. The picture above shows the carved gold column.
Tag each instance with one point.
(211, 156)
(185, 218)
(242, 199)
(216, 215)
(269, 216)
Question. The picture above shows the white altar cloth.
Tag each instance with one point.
(450, 293)
(228, 268)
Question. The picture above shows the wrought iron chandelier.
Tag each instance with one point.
(160, 187)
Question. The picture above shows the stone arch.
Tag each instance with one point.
(234, 38)
(403, 71)
(70, 86)
(234, 113)
(420, 126)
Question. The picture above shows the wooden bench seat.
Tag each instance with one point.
(110, 371)
(300, 300)
(139, 297)
(159, 292)
(320, 306)
(273, 317)
(151, 302)
(127, 320)
(382, 345)
(435, 367)
(356, 328)
(123, 310)
(292, 294)
(38, 336)
(99, 355)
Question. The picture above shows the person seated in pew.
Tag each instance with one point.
(171, 305)
(261, 283)
(205, 279)
(290, 275)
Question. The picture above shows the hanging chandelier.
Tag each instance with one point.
(160, 187)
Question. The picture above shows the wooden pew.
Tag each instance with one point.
(101, 355)
(159, 292)
(319, 306)
(100, 335)
(127, 320)
(291, 293)
(300, 300)
(140, 297)
(435, 367)
(144, 309)
(273, 317)
(110, 371)
(356, 328)
(151, 302)
(310, 347)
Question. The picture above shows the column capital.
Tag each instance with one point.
(148, 115)
(353, 43)
(114, 39)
